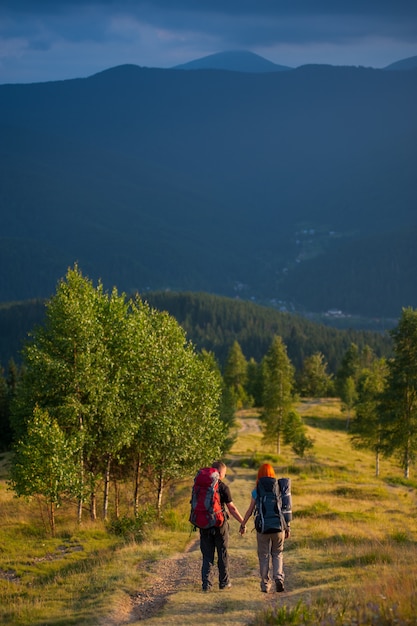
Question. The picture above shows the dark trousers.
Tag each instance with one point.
(212, 540)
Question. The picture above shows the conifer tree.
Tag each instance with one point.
(366, 427)
(254, 382)
(295, 434)
(399, 399)
(349, 368)
(278, 385)
(235, 375)
(315, 382)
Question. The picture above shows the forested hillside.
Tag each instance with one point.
(296, 186)
(214, 323)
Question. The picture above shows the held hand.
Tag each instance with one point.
(242, 529)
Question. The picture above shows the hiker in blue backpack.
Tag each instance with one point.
(271, 505)
(215, 535)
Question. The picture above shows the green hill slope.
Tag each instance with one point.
(214, 323)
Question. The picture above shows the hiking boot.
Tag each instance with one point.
(206, 589)
(279, 585)
(228, 586)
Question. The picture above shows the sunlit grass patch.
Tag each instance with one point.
(176, 520)
(255, 460)
(310, 469)
(360, 493)
(248, 443)
(321, 406)
(400, 480)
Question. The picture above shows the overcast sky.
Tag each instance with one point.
(42, 40)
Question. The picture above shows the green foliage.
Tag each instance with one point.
(349, 368)
(236, 375)
(44, 463)
(366, 427)
(278, 384)
(117, 380)
(214, 323)
(254, 382)
(295, 434)
(133, 528)
(314, 381)
(399, 397)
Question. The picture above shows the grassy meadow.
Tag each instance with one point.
(351, 559)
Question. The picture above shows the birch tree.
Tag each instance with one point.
(179, 427)
(44, 463)
(74, 370)
(121, 379)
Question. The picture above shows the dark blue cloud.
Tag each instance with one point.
(271, 8)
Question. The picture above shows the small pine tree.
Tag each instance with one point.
(278, 385)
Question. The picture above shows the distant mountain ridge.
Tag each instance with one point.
(404, 64)
(280, 187)
(246, 61)
(235, 61)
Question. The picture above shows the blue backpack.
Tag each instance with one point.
(273, 505)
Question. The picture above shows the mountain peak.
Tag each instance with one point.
(235, 61)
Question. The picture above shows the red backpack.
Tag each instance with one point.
(206, 509)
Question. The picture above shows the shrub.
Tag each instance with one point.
(133, 529)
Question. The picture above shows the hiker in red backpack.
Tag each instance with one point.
(209, 514)
(271, 505)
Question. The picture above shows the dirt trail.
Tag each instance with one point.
(179, 572)
(168, 576)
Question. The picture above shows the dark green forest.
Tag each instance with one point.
(214, 323)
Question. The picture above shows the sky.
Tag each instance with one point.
(45, 40)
